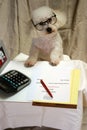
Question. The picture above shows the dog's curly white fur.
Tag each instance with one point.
(46, 45)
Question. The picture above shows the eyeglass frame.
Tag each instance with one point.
(44, 23)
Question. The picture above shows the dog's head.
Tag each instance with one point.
(46, 21)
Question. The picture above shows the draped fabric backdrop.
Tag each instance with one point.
(15, 25)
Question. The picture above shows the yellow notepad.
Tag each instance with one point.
(75, 83)
(72, 93)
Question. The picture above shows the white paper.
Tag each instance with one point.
(57, 79)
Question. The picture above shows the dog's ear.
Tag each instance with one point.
(61, 18)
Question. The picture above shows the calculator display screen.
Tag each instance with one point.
(3, 57)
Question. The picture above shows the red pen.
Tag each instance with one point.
(46, 88)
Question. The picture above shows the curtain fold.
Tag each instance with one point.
(78, 47)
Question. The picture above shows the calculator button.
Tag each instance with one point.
(25, 80)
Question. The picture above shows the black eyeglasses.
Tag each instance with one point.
(40, 26)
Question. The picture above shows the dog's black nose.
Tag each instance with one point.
(49, 30)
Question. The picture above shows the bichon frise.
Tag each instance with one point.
(46, 41)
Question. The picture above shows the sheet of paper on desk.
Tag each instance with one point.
(43, 70)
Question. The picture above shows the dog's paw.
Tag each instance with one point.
(29, 63)
(55, 60)
(54, 63)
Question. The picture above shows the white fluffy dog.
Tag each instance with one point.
(46, 41)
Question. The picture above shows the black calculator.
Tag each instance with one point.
(13, 81)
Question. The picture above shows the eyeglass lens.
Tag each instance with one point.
(51, 20)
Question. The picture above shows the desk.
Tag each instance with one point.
(19, 114)
(13, 114)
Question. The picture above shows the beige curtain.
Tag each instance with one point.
(15, 25)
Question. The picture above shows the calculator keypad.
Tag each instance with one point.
(15, 79)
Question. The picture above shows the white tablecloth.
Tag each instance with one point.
(20, 114)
